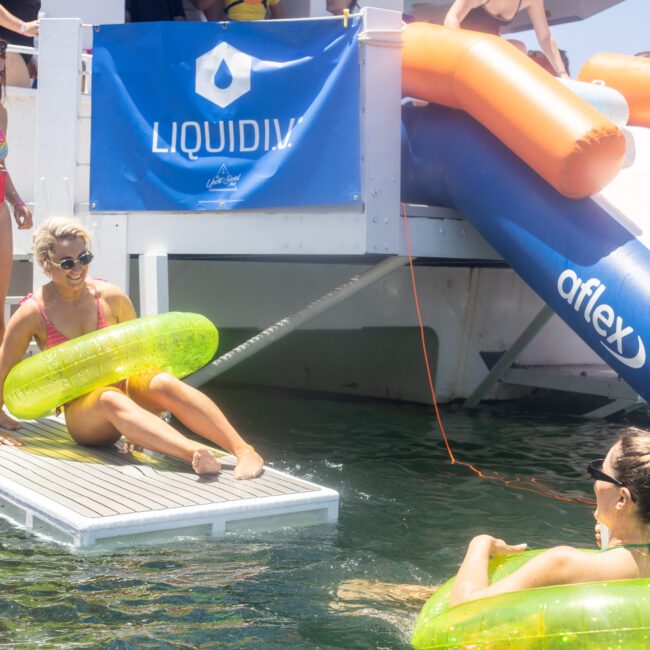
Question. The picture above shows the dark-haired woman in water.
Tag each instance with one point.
(622, 488)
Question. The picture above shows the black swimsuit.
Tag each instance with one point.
(481, 20)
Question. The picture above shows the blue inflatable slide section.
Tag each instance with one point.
(576, 255)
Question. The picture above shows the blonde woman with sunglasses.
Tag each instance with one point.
(73, 304)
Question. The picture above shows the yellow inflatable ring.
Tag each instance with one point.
(178, 343)
(584, 616)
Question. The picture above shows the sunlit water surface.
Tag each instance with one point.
(406, 515)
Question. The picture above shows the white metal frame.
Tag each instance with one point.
(80, 531)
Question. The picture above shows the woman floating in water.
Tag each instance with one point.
(72, 304)
(490, 16)
(622, 487)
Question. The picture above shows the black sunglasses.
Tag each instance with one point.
(68, 263)
(595, 469)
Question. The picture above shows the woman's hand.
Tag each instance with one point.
(597, 534)
(29, 29)
(22, 216)
(497, 546)
(472, 578)
(7, 422)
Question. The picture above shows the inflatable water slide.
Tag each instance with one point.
(552, 183)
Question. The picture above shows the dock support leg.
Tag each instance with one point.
(154, 284)
(614, 407)
(509, 357)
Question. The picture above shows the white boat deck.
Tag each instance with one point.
(84, 496)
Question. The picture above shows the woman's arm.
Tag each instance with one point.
(13, 23)
(216, 11)
(537, 16)
(557, 566)
(20, 329)
(276, 10)
(22, 214)
(121, 307)
(458, 11)
(212, 9)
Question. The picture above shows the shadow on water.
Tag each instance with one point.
(406, 515)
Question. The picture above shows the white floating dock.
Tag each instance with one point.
(84, 496)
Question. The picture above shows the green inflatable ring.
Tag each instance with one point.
(178, 343)
(592, 615)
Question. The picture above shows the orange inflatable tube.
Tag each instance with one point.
(630, 75)
(567, 142)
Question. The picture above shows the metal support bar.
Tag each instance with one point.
(290, 323)
(509, 357)
(614, 407)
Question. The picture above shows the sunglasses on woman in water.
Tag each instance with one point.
(595, 469)
(68, 263)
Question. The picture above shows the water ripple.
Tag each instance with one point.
(406, 515)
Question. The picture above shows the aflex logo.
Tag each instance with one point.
(223, 57)
(601, 316)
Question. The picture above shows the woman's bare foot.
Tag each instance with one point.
(7, 422)
(128, 447)
(204, 462)
(249, 464)
(10, 440)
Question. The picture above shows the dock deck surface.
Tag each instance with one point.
(88, 495)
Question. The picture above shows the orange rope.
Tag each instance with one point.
(515, 483)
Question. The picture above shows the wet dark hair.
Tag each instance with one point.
(633, 467)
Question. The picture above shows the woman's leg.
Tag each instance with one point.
(403, 595)
(163, 392)
(17, 71)
(101, 417)
(6, 262)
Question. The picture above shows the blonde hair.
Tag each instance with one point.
(52, 230)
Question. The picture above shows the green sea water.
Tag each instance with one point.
(406, 515)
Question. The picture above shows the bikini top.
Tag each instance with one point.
(54, 336)
(480, 19)
(611, 548)
(4, 147)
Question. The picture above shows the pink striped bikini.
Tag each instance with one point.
(54, 337)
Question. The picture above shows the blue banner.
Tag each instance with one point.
(224, 116)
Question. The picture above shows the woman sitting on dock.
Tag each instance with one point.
(72, 304)
(622, 487)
